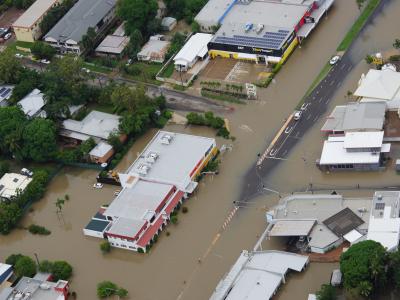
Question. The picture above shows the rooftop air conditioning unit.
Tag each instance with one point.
(166, 139)
(259, 28)
(143, 169)
(248, 27)
(152, 157)
(379, 197)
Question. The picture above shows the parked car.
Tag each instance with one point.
(334, 60)
(297, 115)
(45, 61)
(26, 172)
(98, 185)
(7, 36)
(18, 55)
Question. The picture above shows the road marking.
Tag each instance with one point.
(327, 100)
(316, 118)
(278, 158)
(332, 82)
(320, 99)
(339, 83)
(284, 153)
(272, 152)
(297, 134)
(349, 69)
(343, 66)
(309, 117)
(288, 129)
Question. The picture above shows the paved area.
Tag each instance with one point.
(10, 16)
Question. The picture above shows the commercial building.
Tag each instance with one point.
(38, 288)
(358, 151)
(152, 187)
(5, 94)
(114, 44)
(355, 116)
(380, 85)
(154, 50)
(27, 26)
(66, 35)
(194, 49)
(384, 222)
(11, 184)
(97, 125)
(318, 222)
(263, 31)
(32, 104)
(257, 275)
(212, 14)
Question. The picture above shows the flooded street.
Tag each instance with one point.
(172, 269)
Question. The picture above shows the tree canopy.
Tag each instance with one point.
(61, 270)
(363, 267)
(25, 266)
(107, 289)
(42, 50)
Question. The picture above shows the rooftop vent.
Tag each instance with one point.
(143, 169)
(166, 139)
(152, 157)
(248, 27)
(44, 286)
(15, 179)
(379, 197)
(259, 28)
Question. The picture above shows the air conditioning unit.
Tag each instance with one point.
(143, 169)
(166, 139)
(152, 157)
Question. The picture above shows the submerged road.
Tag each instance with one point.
(314, 107)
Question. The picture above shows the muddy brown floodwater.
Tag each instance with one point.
(172, 270)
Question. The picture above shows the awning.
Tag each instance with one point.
(292, 228)
(352, 236)
(385, 148)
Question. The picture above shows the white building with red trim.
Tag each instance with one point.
(162, 176)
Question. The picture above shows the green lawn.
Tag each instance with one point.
(106, 108)
(148, 72)
(97, 68)
(358, 25)
(167, 73)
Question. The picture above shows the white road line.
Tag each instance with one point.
(320, 99)
(343, 66)
(288, 129)
(308, 117)
(316, 118)
(332, 82)
(339, 84)
(349, 69)
(272, 152)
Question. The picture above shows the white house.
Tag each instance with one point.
(11, 184)
(32, 104)
(194, 49)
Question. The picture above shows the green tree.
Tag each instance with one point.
(115, 141)
(42, 50)
(12, 122)
(25, 266)
(54, 15)
(39, 140)
(10, 67)
(360, 3)
(396, 44)
(61, 270)
(45, 266)
(89, 39)
(135, 43)
(108, 288)
(105, 247)
(195, 27)
(362, 263)
(13, 258)
(137, 14)
(327, 292)
(127, 99)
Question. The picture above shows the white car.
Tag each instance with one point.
(297, 115)
(26, 172)
(8, 36)
(334, 60)
(18, 55)
(98, 185)
(45, 61)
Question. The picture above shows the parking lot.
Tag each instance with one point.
(232, 70)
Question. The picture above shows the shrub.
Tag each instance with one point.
(61, 270)
(185, 209)
(105, 247)
(36, 229)
(25, 266)
(140, 250)
(174, 219)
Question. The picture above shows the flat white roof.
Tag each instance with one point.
(136, 201)
(292, 228)
(379, 84)
(126, 227)
(113, 44)
(34, 13)
(257, 275)
(32, 103)
(154, 47)
(334, 152)
(352, 236)
(195, 46)
(175, 161)
(4, 268)
(10, 183)
(213, 11)
(385, 231)
(371, 139)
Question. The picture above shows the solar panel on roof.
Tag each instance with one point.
(5, 93)
(2, 89)
(380, 206)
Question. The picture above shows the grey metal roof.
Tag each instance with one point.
(343, 222)
(356, 116)
(84, 14)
